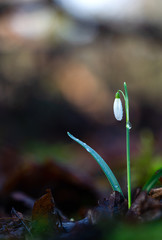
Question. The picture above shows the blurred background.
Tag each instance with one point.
(61, 63)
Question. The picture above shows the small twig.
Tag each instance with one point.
(17, 215)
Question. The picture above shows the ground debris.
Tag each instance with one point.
(49, 223)
(156, 193)
(11, 228)
(145, 208)
(112, 206)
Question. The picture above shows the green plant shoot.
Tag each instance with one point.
(118, 112)
(109, 174)
(152, 181)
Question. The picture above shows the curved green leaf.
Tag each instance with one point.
(152, 181)
(109, 174)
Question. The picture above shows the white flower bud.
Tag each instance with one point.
(118, 109)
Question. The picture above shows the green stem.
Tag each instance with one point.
(128, 167)
(128, 145)
(122, 94)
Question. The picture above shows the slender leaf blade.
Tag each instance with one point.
(109, 174)
(152, 181)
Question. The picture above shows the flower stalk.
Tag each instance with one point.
(128, 127)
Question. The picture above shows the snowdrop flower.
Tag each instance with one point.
(117, 107)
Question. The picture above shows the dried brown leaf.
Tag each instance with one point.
(44, 206)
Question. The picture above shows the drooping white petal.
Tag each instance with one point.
(118, 109)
